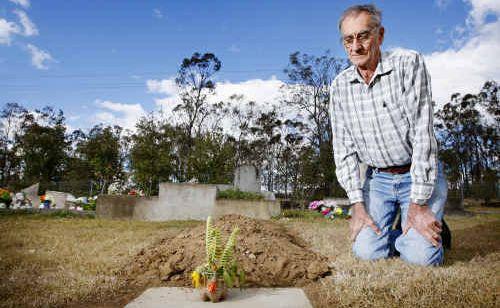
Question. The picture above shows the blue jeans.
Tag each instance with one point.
(384, 193)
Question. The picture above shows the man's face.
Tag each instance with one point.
(361, 41)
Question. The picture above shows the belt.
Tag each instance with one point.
(394, 169)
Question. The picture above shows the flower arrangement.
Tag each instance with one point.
(5, 197)
(329, 209)
(220, 270)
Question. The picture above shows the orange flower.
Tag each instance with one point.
(212, 287)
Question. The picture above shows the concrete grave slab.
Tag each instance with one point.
(166, 297)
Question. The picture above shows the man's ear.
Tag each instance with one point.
(381, 33)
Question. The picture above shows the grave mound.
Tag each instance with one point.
(270, 255)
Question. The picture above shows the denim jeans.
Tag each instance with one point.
(384, 193)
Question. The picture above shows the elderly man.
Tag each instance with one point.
(382, 116)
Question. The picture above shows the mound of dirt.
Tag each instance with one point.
(269, 254)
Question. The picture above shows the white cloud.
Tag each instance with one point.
(7, 30)
(23, 3)
(164, 86)
(114, 113)
(30, 28)
(480, 9)
(262, 92)
(474, 58)
(265, 93)
(157, 13)
(39, 57)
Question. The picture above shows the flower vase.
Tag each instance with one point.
(215, 290)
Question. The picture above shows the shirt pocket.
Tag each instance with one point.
(394, 121)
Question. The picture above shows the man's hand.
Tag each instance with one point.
(422, 219)
(360, 218)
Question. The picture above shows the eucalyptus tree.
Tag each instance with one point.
(467, 128)
(308, 92)
(42, 146)
(11, 117)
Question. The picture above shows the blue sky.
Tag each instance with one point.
(93, 59)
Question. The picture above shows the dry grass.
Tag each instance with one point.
(51, 261)
(469, 278)
(47, 261)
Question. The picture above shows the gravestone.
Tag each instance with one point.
(58, 198)
(31, 194)
(246, 178)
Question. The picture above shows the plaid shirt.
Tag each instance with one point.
(386, 123)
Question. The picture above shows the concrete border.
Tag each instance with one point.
(166, 297)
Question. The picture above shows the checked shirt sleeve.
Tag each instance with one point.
(346, 158)
(418, 97)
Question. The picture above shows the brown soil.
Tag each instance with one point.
(269, 254)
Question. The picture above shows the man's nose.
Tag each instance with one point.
(356, 45)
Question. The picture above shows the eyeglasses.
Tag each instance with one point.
(362, 37)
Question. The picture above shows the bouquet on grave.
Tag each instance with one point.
(220, 270)
(330, 209)
(5, 197)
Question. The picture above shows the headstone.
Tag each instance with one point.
(58, 198)
(31, 193)
(246, 178)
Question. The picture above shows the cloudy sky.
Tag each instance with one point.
(113, 61)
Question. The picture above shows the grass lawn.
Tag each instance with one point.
(57, 261)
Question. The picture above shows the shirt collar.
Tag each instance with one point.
(384, 66)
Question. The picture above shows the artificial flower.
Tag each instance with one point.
(212, 287)
(195, 276)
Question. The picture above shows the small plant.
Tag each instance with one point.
(220, 270)
(238, 194)
(90, 206)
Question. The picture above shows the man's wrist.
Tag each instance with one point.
(419, 201)
(355, 196)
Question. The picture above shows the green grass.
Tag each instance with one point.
(38, 214)
(239, 195)
(301, 214)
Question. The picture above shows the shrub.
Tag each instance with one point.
(238, 194)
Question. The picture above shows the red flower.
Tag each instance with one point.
(212, 287)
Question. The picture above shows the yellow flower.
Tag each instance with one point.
(196, 279)
(338, 211)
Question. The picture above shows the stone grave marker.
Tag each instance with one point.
(246, 178)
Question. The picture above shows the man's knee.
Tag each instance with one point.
(370, 246)
(429, 257)
(415, 249)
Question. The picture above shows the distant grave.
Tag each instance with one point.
(182, 201)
